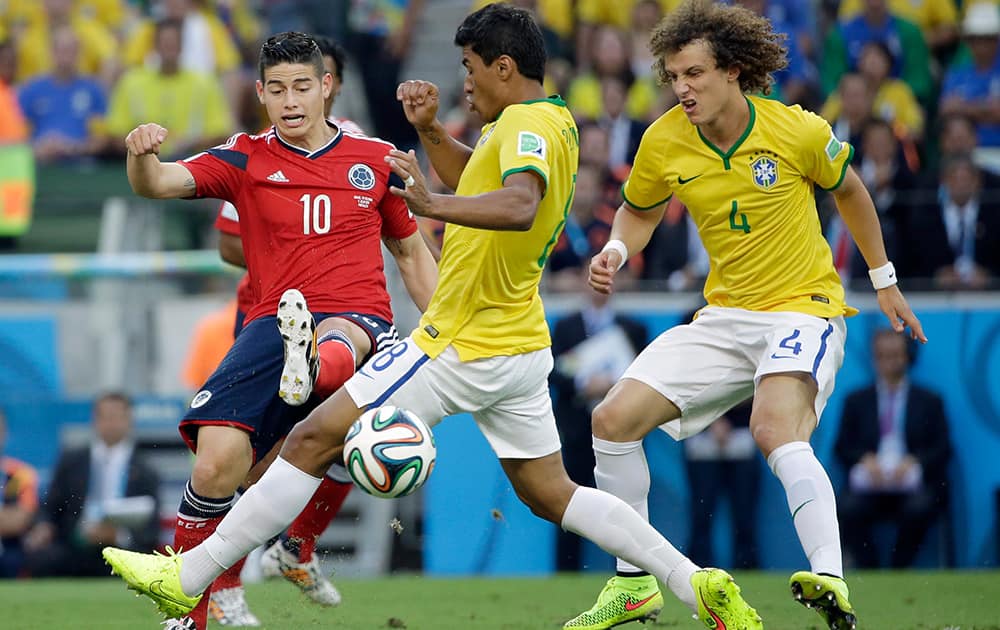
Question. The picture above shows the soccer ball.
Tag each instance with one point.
(389, 452)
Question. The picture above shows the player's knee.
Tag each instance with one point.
(605, 421)
(548, 501)
(309, 444)
(215, 476)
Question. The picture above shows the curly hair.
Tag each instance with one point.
(737, 36)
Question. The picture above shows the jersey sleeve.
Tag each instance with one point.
(647, 186)
(397, 220)
(524, 144)
(824, 157)
(228, 219)
(218, 172)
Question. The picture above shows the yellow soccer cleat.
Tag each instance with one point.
(622, 600)
(720, 605)
(156, 576)
(828, 595)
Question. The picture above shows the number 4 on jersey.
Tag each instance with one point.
(743, 224)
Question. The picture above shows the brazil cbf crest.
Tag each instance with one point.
(361, 177)
(764, 170)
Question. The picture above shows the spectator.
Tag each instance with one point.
(591, 348)
(646, 14)
(910, 59)
(592, 14)
(890, 183)
(893, 442)
(953, 236)
(856, 106)
(957, 136)
(64, 109)
(97, 44)
(207, 45)
(189, 103)
(609, 57)
(972, 87)
(722, 464)
(101, 494)
(937, 19)
(798, 82)
(893, 100)
(18, 503)
(624, 132)
(381, 35)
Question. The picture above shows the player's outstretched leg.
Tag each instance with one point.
(154, 575)
(720, 604)
(622, 600)
(298, 331)
(828, 595)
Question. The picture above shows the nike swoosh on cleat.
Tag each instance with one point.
(719, 623)
(631, 604)
(156, 589)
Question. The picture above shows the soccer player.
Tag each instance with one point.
(314, 204)
(746, 168)
(291, 557)
(482, 346)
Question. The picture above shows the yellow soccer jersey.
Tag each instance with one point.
(487, 303)
(754, 205)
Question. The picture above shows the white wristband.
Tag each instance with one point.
(882, 277)
(617, 246)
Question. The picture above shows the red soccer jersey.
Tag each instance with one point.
(311, 221)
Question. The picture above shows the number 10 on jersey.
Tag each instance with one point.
(315, 214)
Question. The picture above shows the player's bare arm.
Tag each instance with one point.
(231, 249)
(448, 156)
(633, 228)
(858, 212)
(512, 207)
(146, 174)
(416, 266)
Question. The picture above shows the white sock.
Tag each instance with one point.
(812, 503)
(622, 471)
(618, 529)
(263, 511)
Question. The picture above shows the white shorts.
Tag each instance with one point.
(507, 396)
(708, 366)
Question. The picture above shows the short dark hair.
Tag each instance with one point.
(166, 24)
(290, 47)
(500, 29)
(329, 47)
(114, 396)
(737, 37)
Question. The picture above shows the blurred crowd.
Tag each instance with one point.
(914, 85)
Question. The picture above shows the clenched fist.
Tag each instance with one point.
(145, 139)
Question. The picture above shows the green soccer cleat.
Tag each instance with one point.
(827, 595)
(720, 605)
(156, 576)
(623, 599)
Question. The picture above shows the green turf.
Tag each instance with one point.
(885, 601)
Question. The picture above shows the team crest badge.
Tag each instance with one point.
(765, 172)
(200, 398)
(361, 177)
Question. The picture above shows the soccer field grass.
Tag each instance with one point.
(885, 601)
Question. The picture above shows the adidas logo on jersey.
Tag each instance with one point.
(277, 176)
